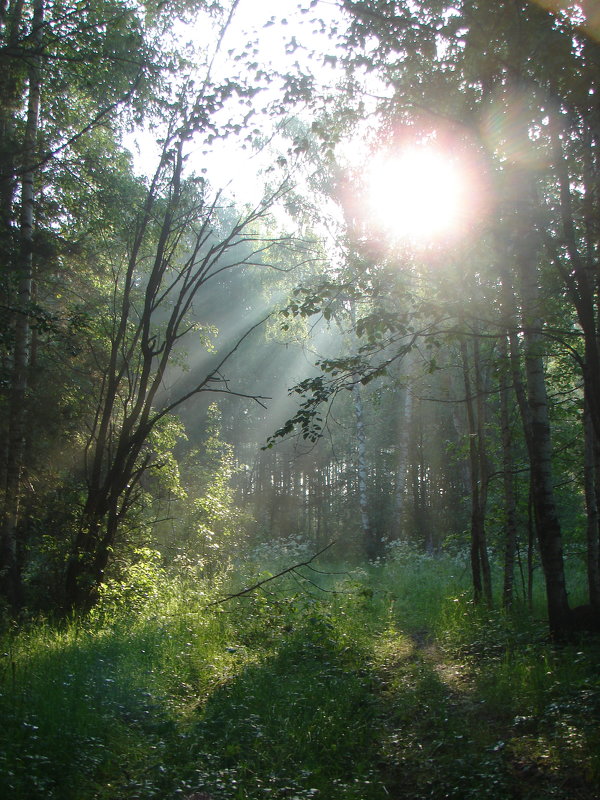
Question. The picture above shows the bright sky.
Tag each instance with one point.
(415, 196)
(285, 39)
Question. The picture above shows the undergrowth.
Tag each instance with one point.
(385, 682)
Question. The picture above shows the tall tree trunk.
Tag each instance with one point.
(480, 387)
(422, 529)
(9, 558)
(509, 311)
(591, 500)
(10, 105)
(404, 424)
(481, 583)
(458, 424)
(580, 273)
(510, 521)
(540, 445)
(371, 545)
(531, 537)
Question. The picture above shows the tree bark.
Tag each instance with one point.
(10, 103)
(404, 423)
(510, 520)
(540, 445)
(371, 545)
(9, 563)
(480, 570)
(580, 276)
(591, 501)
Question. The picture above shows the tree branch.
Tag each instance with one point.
(268, 580)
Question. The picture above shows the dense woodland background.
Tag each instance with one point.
(294, 504)
(445, 395)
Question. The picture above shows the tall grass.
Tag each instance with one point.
(290, 692)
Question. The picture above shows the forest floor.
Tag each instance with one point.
(448, 739)
(385, 684)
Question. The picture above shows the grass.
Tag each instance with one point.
(395, 686)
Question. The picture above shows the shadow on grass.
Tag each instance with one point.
(307, 704)
(302, 723)
(450, 738)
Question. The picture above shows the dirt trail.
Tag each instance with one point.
(446, 742)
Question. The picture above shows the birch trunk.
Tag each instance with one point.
(9, 564)
(404, 422)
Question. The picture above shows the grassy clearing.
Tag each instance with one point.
(393, 687)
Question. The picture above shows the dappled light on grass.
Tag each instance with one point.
(387, 684)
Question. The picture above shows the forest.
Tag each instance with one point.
(299, 399)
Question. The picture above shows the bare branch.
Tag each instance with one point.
(211, 376)
(258, 585)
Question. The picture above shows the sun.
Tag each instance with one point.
(416, 194)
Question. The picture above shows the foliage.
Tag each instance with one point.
(211, 524)
(298, 693)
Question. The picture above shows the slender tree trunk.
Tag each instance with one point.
(10, 104)
(458, 424)
(509, 310)
(419, 482)
(9, 556)
(404, 425)
(591, 500)
(510, 522)
(540, 445)
(477, 521)
(371, 545)
(480, 389)
(424, 490)
(580, 275)
(530, 544)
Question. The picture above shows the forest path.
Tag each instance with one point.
(445, 739)
(297, 698)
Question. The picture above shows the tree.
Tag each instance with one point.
(15, 441)
(485, 63)
(74, 242)
(101, 53)
(188, 241)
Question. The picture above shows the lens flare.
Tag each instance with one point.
(416, 194)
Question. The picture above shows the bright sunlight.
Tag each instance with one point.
(417, 194)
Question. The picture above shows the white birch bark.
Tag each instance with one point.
(361, 465)
(405, 413)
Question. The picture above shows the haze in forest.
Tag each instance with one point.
(300, 399)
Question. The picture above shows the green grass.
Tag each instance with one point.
(391, 686)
